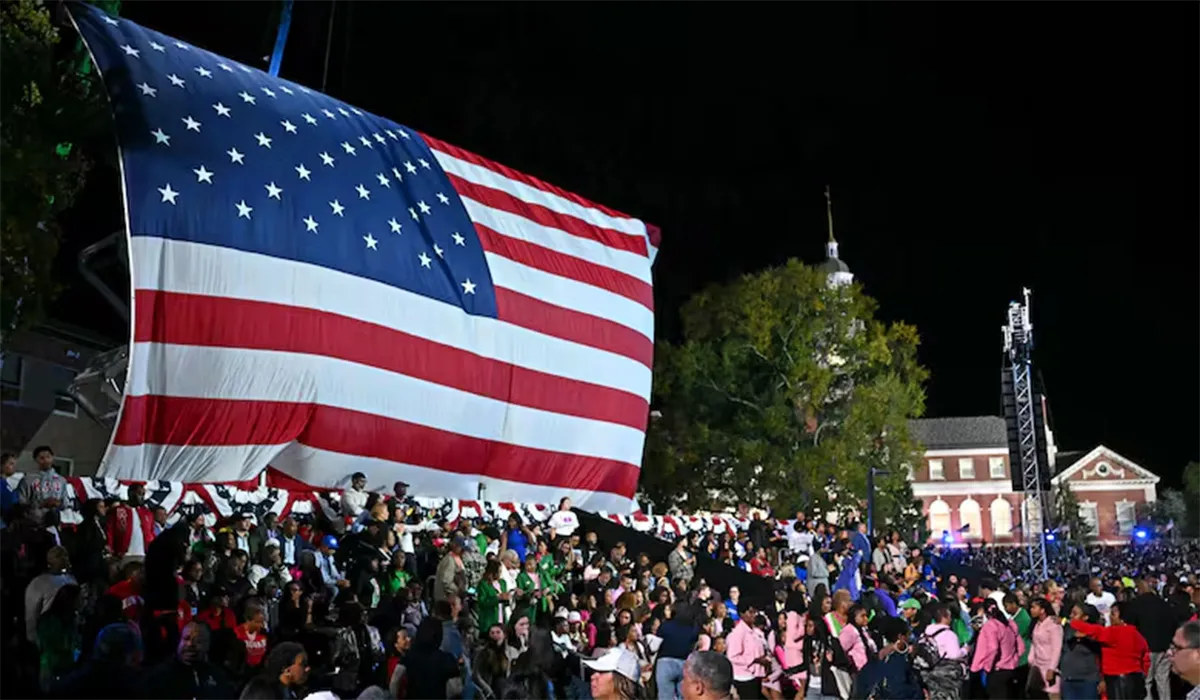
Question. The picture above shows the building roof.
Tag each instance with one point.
(833, 265)
(1064, 459)
(960, 433)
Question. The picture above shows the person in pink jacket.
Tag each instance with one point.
(793, 643)
(747, 653)
(855, 641)
(1046, 649)
(998, 650)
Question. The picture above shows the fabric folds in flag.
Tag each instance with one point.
(322, 291)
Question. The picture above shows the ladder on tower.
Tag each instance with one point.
(1018, 349)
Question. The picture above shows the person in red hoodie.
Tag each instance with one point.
(131, 525)
(1126, 656)
(129, 590)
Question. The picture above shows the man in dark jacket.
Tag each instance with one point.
(189, 674)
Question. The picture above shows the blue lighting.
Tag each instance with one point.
(1140, 534)
(1049, 536)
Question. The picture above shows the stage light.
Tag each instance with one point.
(1049, 536)
(1140, 534)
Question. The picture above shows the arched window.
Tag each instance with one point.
(1001, 517)
(939, 517)
(971, 517)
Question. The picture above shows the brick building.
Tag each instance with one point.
(965, 480)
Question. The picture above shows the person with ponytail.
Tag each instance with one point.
(998, 650)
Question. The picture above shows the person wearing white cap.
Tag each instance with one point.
(615, 675)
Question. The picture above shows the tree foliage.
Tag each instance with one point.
(1067, 517)
(1191, 497)
(784, 391)
(1170, 508)
(46, 102)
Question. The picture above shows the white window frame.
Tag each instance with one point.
(943, 509)
(940, 473)
(20, 386)
(1089, 512)
(1008, 509)
(1132, 510)
(996, 467)
(67, 462)
(975, 532)
(966, 468)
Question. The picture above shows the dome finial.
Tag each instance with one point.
(829, 213)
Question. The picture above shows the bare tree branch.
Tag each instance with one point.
(750, 404)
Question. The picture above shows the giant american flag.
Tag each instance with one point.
(323, 291)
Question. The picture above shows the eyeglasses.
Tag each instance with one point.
(1176, 648)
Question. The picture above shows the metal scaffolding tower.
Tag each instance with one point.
(1018, 353)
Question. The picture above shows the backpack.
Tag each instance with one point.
(933, 668)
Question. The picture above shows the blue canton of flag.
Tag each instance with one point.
(207, 160)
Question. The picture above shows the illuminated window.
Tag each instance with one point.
(996, 467)
(966, 468)
(1001, 517)
(971, 517)
(1126, 517)
(939, 517)
(1090, 514)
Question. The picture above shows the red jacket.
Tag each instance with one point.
(130, 530)
(130, 595)
(1125, 650)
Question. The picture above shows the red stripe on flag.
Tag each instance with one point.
(654, 233)
(463, 154)
(563, 265)
(190, 319)
(593, 331)
(165, 420)
(499, 199)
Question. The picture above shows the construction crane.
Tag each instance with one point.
(1018, 364)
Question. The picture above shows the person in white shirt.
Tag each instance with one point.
(564, 522)
(1100, 598)
(800, 538)
(354, 499)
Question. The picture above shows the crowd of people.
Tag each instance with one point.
(388, 603)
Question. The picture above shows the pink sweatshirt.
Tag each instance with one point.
(947, 642)
(744, 647)
(998, 648)
(852, 643)
(793, 643)
(1046, 650)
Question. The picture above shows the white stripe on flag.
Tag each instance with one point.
(273, 376)
(194, 268)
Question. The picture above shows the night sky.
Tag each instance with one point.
(972, 149)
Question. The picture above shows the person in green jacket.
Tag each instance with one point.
(1019, 615)
(492, 597)
(397, 577)
(533, 589)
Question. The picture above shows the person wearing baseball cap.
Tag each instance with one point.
(615, 675)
